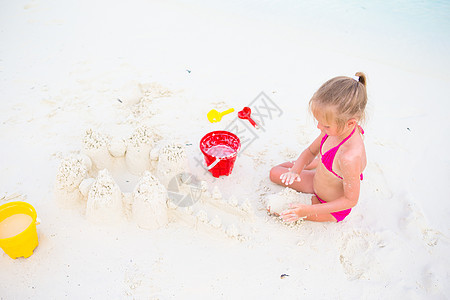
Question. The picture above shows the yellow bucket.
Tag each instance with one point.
(18, 235)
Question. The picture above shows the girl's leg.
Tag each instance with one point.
(305, 186)
(320, 218)
(306, 183)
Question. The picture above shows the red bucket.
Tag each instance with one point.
(220, 149)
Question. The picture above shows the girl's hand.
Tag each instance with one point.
(289, 177)
(297, 211)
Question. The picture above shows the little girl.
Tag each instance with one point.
(333, 178)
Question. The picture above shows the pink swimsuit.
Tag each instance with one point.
(327, 160)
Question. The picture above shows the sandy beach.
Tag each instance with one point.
(147, 73)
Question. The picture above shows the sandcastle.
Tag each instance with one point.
(156, 175)
(149, 207)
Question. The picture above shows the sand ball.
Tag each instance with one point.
(117, 147)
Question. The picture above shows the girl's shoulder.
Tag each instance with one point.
(352, 156)
(353, 149)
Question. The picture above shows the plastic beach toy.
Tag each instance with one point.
(220, 149)
(18, 235)
(245, 114)
(215, 116)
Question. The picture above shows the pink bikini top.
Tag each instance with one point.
(328, 157)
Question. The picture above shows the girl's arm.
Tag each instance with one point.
(305, 158)
(350, 168)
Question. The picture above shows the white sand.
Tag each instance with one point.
(69, 67)
(276, 203)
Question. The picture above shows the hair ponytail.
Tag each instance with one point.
(341, 98)
(362, 78)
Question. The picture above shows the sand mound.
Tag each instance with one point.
(276, 203)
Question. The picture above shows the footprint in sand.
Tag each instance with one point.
(359, 257)
(416, 225)
(431, 237)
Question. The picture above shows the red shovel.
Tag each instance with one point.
(245, 114)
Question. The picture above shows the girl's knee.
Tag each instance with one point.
(274, 174)
(276, 171)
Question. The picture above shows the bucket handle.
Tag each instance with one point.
(213, 164)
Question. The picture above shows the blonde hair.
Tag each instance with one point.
(341, 99)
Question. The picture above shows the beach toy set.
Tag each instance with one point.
(245, 114)
(220, 148)
(18, 235)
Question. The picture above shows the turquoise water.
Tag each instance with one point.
(410, 34)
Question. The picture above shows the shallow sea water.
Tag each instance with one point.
(413, 35)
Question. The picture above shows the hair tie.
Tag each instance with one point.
(355, 78)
